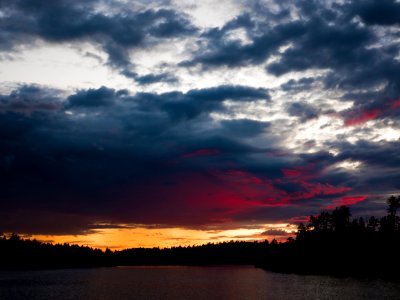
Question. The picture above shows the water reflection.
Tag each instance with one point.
(227, 282)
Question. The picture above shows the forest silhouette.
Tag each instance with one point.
(331, 243)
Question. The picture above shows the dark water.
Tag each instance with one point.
(186, 283)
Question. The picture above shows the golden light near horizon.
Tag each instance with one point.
(123, 238)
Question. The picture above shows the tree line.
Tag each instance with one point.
(19, 253)
(331, 243)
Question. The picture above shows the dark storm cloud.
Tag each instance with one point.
(184, 106)
(106, 156)
(30, 98)
(298, 85)
(92, 98)
(379, 12)
(331, 47)
(303, 111)
(267, 32)
(59, 21)
(384, 154)
(278, 214)
(103, 156)
(378, 171)
(46, 222)
(99, 147)
(221, 50)
(339, 38)
(154, 78)
(150, 78)
(244, 127)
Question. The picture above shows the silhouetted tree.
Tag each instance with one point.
(341, 218)
(290, 240)
(394, 204)
(391, 223)
(361, 223)
(373, 224)
(301, 229)
(331, 243)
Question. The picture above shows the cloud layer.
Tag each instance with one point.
(322, 130)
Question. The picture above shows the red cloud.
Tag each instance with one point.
(299, 219)
(351, 200)
(346, 201)
(313, 189)
(307, 177)
(201, 152)
(300, 172)
(195, 198)
(363, 117)
(241, 176)
(291, 172)
(395, 104)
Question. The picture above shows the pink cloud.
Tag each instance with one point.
(363, 117)
(346, 201)
(201, 152)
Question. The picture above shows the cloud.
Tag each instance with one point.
(154, 78)
(116, 32)
(114, 158)
(331, 47)
(298, 85)
(340, 39)
(30, 98)
(304, 111)
(378, 109)
(374, 12)
(348, 201)
(201, 152)
(221, 50)
(100, 147)
(276, 232)
(184, 106)
(195, 156)
(92, 98)
(244, 127)
(371, 153)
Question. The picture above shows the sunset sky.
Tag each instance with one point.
(159, 123)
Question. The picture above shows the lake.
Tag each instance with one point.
(222, 282)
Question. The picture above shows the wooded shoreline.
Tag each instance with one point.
(330, 244)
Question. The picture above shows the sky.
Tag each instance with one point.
(163, 123)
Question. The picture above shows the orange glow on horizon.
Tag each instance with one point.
(122, 238)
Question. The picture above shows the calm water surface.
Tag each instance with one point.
(186, 283)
